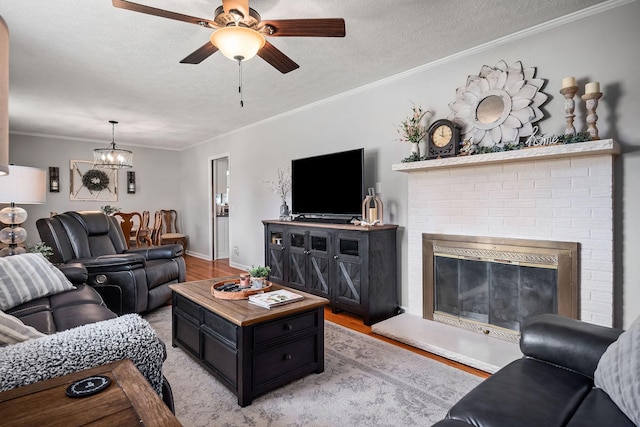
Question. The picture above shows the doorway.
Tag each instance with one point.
(220, 207)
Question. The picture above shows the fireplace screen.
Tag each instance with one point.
(493, 285)
(494, 293)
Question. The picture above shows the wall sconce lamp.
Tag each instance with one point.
(131, 182)
(54, 179)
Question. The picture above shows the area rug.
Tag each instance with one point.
(366, 382)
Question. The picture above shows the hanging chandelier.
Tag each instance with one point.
(112, 157)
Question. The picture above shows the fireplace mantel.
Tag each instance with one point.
(590, 148)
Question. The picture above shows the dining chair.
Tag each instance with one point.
(170, 232)
(144, 232)
(156, 229)
(130, 223)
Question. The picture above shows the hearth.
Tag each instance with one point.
(491, 285)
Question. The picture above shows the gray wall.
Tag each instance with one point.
(157, 177)
(593, 47)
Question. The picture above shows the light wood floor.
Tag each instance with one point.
(198, 269)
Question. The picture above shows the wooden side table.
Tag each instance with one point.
(128, 400)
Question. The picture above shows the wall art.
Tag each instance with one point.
(90, 183)
(499, 105)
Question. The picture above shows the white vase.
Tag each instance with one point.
(415, 149)
(423, 148)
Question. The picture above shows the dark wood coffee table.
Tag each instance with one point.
(128, 400)
(249, 349)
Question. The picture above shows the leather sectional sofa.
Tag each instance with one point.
(71, 309)
(552, 385)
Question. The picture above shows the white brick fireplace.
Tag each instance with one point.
(561, 193)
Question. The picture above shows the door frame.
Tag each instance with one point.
(212, 215)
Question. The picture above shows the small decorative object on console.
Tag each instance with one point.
(274, 298)
(372, 209)
(443, 140)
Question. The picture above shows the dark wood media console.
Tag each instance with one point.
(353, 266)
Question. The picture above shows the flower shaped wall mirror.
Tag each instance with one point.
(499, 105)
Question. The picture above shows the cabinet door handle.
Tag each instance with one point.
(282, 249)
(286, 357)
(335, 257)
(288, 327)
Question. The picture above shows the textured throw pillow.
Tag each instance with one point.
(12, 330)
(29, 276)
(618, 372)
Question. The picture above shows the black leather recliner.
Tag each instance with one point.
(129, 280)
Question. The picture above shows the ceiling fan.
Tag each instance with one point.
(234, 21)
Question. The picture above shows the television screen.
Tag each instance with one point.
(328, 185)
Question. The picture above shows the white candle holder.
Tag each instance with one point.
(591, 100)
(569, 107)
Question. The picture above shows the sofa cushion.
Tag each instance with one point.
(618, 372)
(64, 310)
(29, 276)
(598, 410)
(527, 392)
(12, 330)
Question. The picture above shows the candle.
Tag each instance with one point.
(568, 82)
(592, 87)
(373, 214)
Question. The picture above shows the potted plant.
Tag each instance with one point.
(259, 275)
(42, 248)
(412, 130)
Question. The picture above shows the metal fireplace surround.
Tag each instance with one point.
(558, 259)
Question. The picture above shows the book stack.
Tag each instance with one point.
(274, 298)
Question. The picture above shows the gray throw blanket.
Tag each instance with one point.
(84, 347)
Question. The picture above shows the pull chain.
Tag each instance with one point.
(240, 82)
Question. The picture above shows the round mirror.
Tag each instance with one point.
(490, 109)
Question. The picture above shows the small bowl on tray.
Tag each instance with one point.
(233, 290)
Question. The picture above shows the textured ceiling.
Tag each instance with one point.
(76, 64)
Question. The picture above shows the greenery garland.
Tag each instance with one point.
(95, 180)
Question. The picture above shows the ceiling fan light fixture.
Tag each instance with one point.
(238, 43)
(112, 157)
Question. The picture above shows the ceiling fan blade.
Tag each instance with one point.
(276, 58)
(200, 54)
(241, 5)
(124, 4)
(328, 27)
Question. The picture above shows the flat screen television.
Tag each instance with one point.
(330, 185)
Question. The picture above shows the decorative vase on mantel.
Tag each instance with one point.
(284, 211)
(415, 149)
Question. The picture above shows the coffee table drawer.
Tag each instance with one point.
(221, 326)
(284, 328)
(277, 363)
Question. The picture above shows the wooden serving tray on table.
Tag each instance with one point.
(240, 294)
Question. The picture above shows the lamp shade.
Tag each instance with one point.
(24, 185)
(238, 43)
(4, 98)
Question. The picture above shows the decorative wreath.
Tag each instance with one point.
(95, 180)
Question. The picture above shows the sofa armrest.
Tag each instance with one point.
(75, 272)
(117, 262)
(82, 348)
(565, 342)
(158, 252)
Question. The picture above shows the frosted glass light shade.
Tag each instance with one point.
(238, 43)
